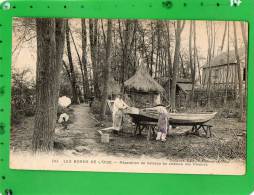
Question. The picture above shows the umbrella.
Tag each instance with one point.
(64, 101)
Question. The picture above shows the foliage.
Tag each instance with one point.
(95, 107)
(23, 96)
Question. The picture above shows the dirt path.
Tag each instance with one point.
(83, 121)
(81, 136)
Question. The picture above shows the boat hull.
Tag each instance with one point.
(174, 118)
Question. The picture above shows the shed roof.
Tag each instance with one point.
(185, 87)
(164, 80)
(221, 59)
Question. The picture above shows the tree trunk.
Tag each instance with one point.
(190, 56)
(86, 91)
(226, 90)
(93, 35)
(224, 36)
(209, 56)
(199, 68)
(106, 70)
(81, 67)
(126, 38)
(193, 75)
(152, 50)
(169, 61)
(239, 73)
(178, 31)
(213, 32)
(245, 40)
(67, 71)
(75, 98)
(50, 45)
(158, 53)
(182, 66)
(60, 41)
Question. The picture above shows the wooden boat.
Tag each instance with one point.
(152, 115)
(183, 118)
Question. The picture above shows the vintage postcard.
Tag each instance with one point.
(143, 96)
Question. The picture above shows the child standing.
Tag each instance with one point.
(162, 126)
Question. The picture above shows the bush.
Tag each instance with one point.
(96, 107)
(23, 96)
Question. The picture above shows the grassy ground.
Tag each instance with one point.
(227, 142)
(22, 132)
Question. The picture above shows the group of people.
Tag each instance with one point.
(117, 118)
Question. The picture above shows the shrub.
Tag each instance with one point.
(23, 96)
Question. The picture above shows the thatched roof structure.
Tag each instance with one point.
(143, 82)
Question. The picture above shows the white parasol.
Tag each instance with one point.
(64, 101)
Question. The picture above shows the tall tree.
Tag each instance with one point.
(158, 52)
(93, 36)
(213, 37)
(152, 48)
(50, 46)
(193, 74)
(192, 35)
(178, 30)
(224, 36)
(168, 38)
(83, 61)
(199, 68)
(75, 97)
(226, 90)
(106, 70)
(125, 37)
(209, 57)
(190, 46)
(239, 72)
(245, 40)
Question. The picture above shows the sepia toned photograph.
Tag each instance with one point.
(142, 96)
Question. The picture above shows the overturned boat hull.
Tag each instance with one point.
(174, 118)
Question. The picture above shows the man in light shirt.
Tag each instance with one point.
(117, 114)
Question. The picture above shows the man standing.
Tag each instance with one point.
(117, 115)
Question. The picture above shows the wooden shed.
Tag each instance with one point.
(183, 90)
(222, 72)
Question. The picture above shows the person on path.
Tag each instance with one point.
(117, 114)
(63, 119)
(91, 100)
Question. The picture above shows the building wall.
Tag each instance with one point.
(219, 75)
